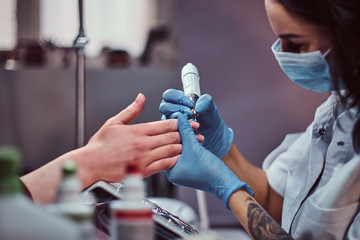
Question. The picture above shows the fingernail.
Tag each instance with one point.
(200, 137)
(194, 124)
(137, 100)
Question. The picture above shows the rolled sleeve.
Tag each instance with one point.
(354, 230)
(282, 160)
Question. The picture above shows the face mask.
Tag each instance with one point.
(309, 70)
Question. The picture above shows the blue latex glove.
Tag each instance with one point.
(198, 168)
(218, 136)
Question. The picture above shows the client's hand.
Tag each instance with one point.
(156, 145)
(199, 168)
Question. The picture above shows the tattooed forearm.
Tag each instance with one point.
(261, 225)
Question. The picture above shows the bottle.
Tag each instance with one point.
(69, 188)
(69, 202)
(20, 218)
(131, 218)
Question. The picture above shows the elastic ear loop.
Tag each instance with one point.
(327, 52)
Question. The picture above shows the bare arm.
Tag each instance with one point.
(156, 145)
(254, 218)
(256, 178)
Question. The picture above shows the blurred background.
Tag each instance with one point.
(140, 46)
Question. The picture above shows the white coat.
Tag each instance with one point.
(318, 174)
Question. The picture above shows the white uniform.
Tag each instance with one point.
(318, 174)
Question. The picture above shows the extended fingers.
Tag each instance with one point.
(160, 165)
(160, 156)
(161, 127)
(159, 140)
(167, 139)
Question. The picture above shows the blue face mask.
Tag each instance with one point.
(309, 70)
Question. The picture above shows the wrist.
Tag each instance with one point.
(245, 190)
(228, 185)
(237, 202)
(85, 170)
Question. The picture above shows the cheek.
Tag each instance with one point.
(317, 43)
(317, 37)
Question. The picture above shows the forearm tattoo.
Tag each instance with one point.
(261, 225)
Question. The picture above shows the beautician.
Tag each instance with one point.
(309, 187)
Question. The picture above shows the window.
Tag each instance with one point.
(118, 24)
(8, 25)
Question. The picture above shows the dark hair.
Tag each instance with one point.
(342, 19)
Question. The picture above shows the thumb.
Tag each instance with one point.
(186, 131)
(205, 104)
(127, 115)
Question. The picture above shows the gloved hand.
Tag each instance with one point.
(218, 136)
(198, 168)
